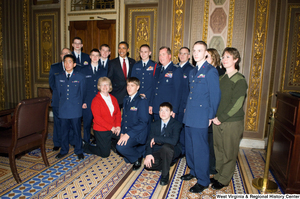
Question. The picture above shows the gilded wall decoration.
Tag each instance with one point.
(257, 64)
(46, 47)
(218, 20)
(26, 47)
(142, 24)
(205, 20)
(177, 35)
(230, 22)
(141, 30)
(291, 71)
(2, 86)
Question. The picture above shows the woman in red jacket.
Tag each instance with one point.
(107, 120)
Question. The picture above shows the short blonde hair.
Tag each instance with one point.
(104, 79)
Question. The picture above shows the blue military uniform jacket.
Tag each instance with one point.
(204, 96)
(185, 85)
(91, 81)
(167, 87)
(135, 118)
(171, 136)
(145, 75)
(84, 59)
(70, 94)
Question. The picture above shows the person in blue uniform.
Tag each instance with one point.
(163, 145)
(92, 73)
(167, 86)
(55, 69)
(134, 122)
(119, 70)
(184, 64)
(201, 108)
(104, 56)
(82, 59)
(70, 89)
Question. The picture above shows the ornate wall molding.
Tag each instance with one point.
(2, 85)
(205, 20)
(27, 69)
(142, 33)
(178, 28)
(230, 22)
(257, 64)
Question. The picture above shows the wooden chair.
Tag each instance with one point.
(29, 131)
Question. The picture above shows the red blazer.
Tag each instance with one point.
(103, 121)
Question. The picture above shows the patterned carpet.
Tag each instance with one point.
(96, 177)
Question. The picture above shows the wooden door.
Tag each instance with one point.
(94, 34)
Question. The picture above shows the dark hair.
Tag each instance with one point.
(215, 57)
(104, 45)
(184, 48)
(133, 80)
(95, 50)
(77, 38)
(145, 45)
(202, 43)
(235, 54)
(70, 56)
(166, 104)
(124, 42)
(168, 49)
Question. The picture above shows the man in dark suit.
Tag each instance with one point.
(70, 89)
(162, 146)
(184, 64)
(92, 73)
(201, 108)
(134, 122)
(119, 70)
(55, 70)
(167, 85)
(104, 55)
(82, 59)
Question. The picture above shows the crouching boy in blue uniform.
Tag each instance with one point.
(70, 87)
(134, 125)
(163, 145)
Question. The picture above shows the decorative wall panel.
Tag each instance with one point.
(2, 85)
(291, 75)
(27, 69)
(141, 28)
(257, 64)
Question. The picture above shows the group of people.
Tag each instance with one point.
(156, 112)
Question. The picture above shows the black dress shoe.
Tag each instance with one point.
(197, 188)
(137, 164)
(217, 185)
(56, 148)
(187, 177)
(212, 180)
(80, 156)
(58, 156)
(164, 180)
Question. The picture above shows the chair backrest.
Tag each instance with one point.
(31, 116)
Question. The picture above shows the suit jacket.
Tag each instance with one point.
(204, 96)
(145, 75)
(84, 59)
(106, 66)
(70, 94)
(135, 118)
(167, 87)
(185, 85)
(171, 136)
(115, 74)
(91, 81)
(54, 70)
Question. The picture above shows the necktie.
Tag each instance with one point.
(94, 70)
(128, 100)
(162, 69)
(68, 76)
(124, 69)
(103, 64)
(163, 130)
(144, 65)
(77, 60)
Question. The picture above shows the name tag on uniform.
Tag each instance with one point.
(88, 76)
(138, 69)
(61, 80)
(150, 68)
(85, 63)
(169, 75)
(133, 108)
(201, 76)
(56, 73)
(184, 76)
(76, 81)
